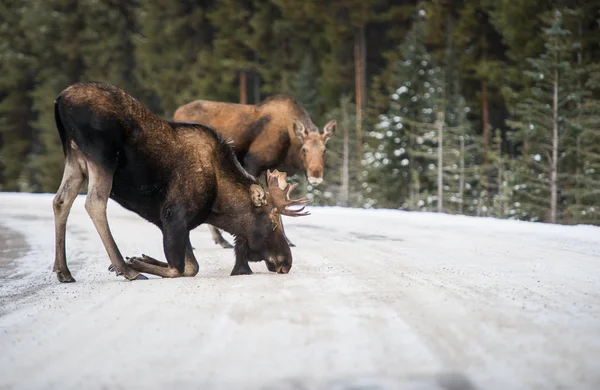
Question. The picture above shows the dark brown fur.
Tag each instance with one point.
(175, 175)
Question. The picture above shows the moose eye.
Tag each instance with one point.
(303, 150)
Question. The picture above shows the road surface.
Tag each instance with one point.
(375, 300)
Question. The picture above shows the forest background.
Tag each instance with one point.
(486, 108)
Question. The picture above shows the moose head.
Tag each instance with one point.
(312, 152)
(267, 241)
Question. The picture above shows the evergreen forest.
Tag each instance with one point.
(483, 108)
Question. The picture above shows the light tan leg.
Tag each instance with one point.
(99, 187)
(148, 260)
(63, 201)
(164, 272)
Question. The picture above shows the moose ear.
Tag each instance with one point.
(329, 129)
(258, 195)
(299, 129)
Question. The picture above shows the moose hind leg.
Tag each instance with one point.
(218, 237)
(73, 177)
(99, 187)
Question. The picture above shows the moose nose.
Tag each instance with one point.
(282, 265)
(315, 181)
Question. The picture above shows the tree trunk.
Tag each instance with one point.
(485, 120)
(345, 158)
(440, 162)
(499, 179)
(243, 85)
(461, 177)
(359, 81)
(554, 162)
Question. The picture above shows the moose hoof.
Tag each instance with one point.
(291, 244)
(65, 278)
(111, 268)
(140, 277)
(241, 271)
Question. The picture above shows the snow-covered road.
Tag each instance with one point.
(375, 300)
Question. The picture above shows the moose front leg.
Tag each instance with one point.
(178, 250)
(99, 187)
(133, 262)
(190, 268)
(242, 253)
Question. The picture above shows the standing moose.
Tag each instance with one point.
(175, 175)
(277, 133)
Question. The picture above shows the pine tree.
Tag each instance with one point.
(403, 147)
(173, 37)
(546, 119)
(278, 48)
(583, 192)
(305, 86)
(56, 30)
(494, 188)
(231, 41)
(481, 50)
(460, 159)
(109, 52)
(17, 71)
(343, 175)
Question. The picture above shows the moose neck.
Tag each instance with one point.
(233, 209)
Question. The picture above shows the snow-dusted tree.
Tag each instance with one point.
(343, 175)
(546, 119)
(495, 188)
(305, 85)
(460, 157)
(583, 192)
(402, 150)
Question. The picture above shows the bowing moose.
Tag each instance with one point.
(175, 175)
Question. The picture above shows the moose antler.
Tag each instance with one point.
(280, 190)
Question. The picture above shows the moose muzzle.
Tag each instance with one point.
(279, 264)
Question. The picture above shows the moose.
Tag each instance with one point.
(277, 134)
(175, 175)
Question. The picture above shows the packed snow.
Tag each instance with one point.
(376, 299)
